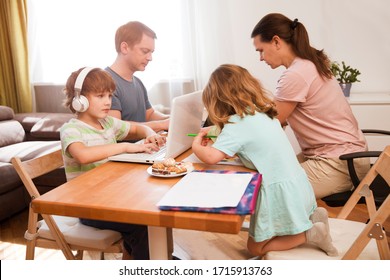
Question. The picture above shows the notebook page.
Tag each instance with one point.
(198, 189)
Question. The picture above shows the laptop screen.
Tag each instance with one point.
(186, 117)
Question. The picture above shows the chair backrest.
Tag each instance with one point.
(36, 167)
(383, 168)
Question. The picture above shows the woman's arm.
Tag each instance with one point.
(284, 110)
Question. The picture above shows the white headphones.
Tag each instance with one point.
(80, 102)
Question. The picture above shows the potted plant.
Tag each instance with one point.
(346, 75)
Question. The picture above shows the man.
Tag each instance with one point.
(134, 43)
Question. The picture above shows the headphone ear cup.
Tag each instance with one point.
(80, 104)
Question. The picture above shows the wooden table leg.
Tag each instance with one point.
(160, 243)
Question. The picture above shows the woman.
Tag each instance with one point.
(310, 100)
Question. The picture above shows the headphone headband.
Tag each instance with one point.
(80, 79)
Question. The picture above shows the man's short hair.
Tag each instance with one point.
(131, 33)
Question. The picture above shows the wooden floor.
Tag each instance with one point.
(188, 244)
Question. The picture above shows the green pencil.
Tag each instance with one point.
(207, 136)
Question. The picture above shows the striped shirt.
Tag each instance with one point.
(78, 131)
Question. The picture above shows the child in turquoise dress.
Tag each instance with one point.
(286, 214)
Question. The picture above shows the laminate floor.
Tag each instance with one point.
(188, 244)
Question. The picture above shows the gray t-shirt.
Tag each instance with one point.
(130, 98)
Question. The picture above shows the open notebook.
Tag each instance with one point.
(186, 117)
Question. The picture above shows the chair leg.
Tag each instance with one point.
(79, 254)
(373, 229)
(59, 237)
(383, 245)
(170, 243)
(245, 226)
(30, 234)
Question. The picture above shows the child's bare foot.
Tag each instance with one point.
(319, 236)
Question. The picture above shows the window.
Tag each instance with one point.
(65, 35)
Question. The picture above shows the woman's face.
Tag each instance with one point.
(268, 51)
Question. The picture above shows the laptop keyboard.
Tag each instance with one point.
(156, 155)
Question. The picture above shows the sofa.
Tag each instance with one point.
(27, 136)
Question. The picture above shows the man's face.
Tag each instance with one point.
(141, 53)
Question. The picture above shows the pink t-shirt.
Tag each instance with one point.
(322, 121)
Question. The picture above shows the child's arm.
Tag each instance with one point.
(139, 131)
(87, 154)
(204, 151)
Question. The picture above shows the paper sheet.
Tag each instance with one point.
(199, 189)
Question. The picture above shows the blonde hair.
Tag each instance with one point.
(98, 80)
(131, 33)
(232, 90)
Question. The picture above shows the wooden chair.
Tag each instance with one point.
(354, 240)
(58, 232)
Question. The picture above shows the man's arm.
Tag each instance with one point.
(153, 115)
(154, 119)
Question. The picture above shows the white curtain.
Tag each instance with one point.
(196, 36)
(65, 35)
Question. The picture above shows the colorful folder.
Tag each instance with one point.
(246, 205)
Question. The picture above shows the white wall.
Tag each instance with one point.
(356, 31)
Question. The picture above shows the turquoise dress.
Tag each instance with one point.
(286, 198)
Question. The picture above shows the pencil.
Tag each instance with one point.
(206, 136)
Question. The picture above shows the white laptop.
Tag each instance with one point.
(186, 117)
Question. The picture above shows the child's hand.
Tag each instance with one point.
(200, 139)
(149, 148)
(142, 148)
(157, 139)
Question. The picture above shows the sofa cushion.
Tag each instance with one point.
(11, 132)
(47, 181)
(28, 150)
(6, 113)
(9, 178)
(49, 126)
(28, 120)
(13, 202)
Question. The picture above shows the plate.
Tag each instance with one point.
(149, 170)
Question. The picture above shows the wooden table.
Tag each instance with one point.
(124, 192)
